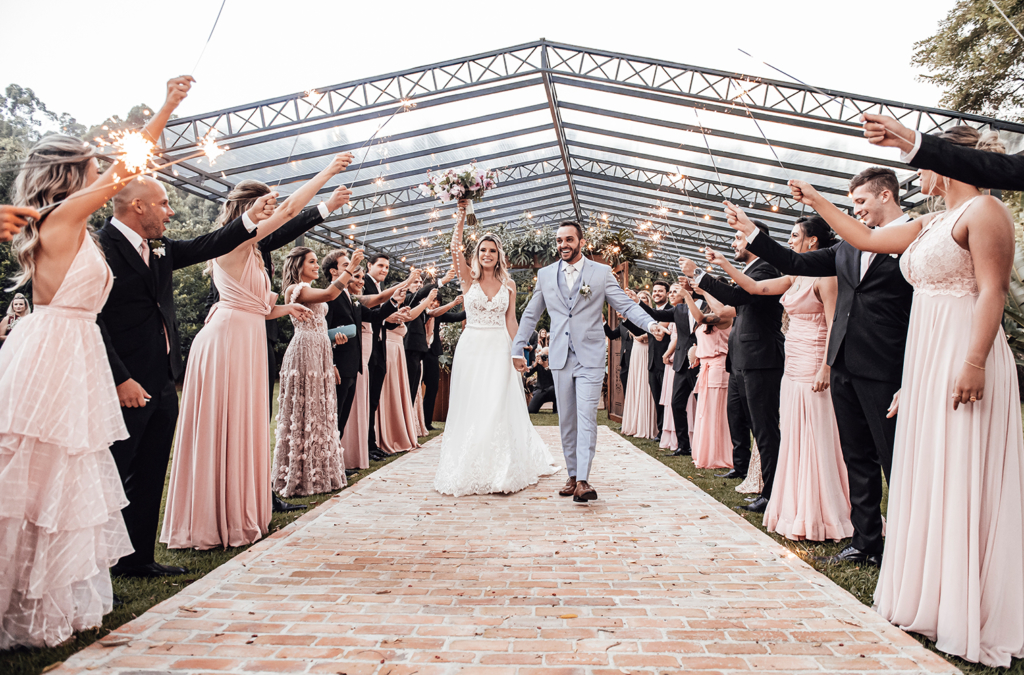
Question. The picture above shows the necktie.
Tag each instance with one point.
(144, 251)
(570, 274)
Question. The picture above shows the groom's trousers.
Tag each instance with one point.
(578, 389)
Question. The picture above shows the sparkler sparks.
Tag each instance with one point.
(136, 149)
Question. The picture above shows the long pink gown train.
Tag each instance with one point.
(60, 493)
(811, 494)
(953, 565)
(639, 416)
(357, 428)
(396, 416)
(712, 443)
(219, 492)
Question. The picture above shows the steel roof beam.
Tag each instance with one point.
(556, 118)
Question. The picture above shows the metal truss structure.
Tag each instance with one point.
(574, 133)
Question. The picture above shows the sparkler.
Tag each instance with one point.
(209, 37)
(1007, 19)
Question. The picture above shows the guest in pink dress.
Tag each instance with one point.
(811, 495)
(397, 425)
(219, 491)
(668, 427)
(639, 416)
(953, 565)
(60, 514)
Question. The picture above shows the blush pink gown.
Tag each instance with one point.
(712, 443)
(953, 565)
(639, 417)
(219, 492)
(396, 415)
(60, 493)
(668, 427)
(811, 494)
(357, 428)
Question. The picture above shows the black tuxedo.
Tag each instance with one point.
(282, 236)
(378, 364)
(865, 350)
(622, 332)
(755, 362)
(431, 366)
(133, 322)
(416, 339)
(968, 165)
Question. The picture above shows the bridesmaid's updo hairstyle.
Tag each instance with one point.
(56, 167)
(240, 199)
(293, 263)
(815, 226)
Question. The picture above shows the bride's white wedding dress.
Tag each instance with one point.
(489, 444)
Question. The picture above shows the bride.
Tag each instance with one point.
(489, 443)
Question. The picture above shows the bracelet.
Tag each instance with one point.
(982, 368)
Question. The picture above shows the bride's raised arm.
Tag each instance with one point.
(458, 257)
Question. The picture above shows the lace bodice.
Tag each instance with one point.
(484, 313)
(934, 263)
(317, 323)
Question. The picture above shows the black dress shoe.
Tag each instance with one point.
(851, 554)
(757, 506)
(431, 427)
(351, 472)
(377, 456)
(281, 506)
(681, 453)
(149, 571)
(732, 473)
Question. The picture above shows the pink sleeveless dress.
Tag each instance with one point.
(668, 427)
(639, 416)
(396, 416)
(219, 492)
(811, 494)
(712, 443)
(60, 494)
(953, 565)
(307, 453)
(355, 439)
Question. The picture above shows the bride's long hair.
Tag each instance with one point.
(500, 267)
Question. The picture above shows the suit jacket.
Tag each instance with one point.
(341, 311)
(378, 341)
(685, 338)
(575, 318)
(622, 331)
(756, 341)
(872, 314)
(655, 348)
(416, 334)
(141, 302)
(436, 348)
(288, 232)
(975, 167)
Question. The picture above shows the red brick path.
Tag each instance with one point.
(390, 578)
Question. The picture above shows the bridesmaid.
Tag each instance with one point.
(811, 492)
(396, 416)
(219, 491)
(639, 416)
(712, 442)
(953, 564)
(16, 311)
(60, 514)
(668, 427)
(308, 455)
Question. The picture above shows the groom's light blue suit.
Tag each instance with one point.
(576, 352)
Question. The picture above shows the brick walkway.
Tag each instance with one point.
(392, 579)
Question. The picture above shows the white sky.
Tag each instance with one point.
(98, 58)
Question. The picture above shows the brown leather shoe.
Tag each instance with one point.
(584, 493)
(569, 489)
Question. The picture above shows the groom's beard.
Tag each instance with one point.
(574, 253)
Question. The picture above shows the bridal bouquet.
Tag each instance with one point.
(468, 182)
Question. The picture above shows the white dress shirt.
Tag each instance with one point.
(905, 157)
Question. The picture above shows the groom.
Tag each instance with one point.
(573, 291)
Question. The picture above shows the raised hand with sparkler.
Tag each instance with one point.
(13, 218)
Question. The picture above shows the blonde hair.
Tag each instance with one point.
(240, 199)
(969, 137)
(293, 262)
(55, 168)
(500, 267)
(10, 307)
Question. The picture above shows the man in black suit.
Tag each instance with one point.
(377, 270)
(865, 350)
(545, 389)
(755, 362)
(140, 332)
(656, 351)
(416, 346)
(621, 332)
(992, 170)
(431, 363)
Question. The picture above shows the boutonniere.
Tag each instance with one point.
(156, 247)
(585, 291)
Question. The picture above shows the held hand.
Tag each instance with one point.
(400, 294)
(667, 359)
(448, 276)
(13, 218)
(686, 284)
(887, 132)
(659, 332)
(688, 267)
(340, 339)
(519, 363)
(463, 206)
(631, 295)
(894, 407)
(177, 90)
(353, 263)
(458, 301)
(298, 311)
(263, 208)
(131, 394)
(340, 162)
(431, 295)
(691, 355)
(714, 257)
(968, 386)
(804, 192)
(738, 219)
(821, 380)
(337, 376)
(339, 198)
